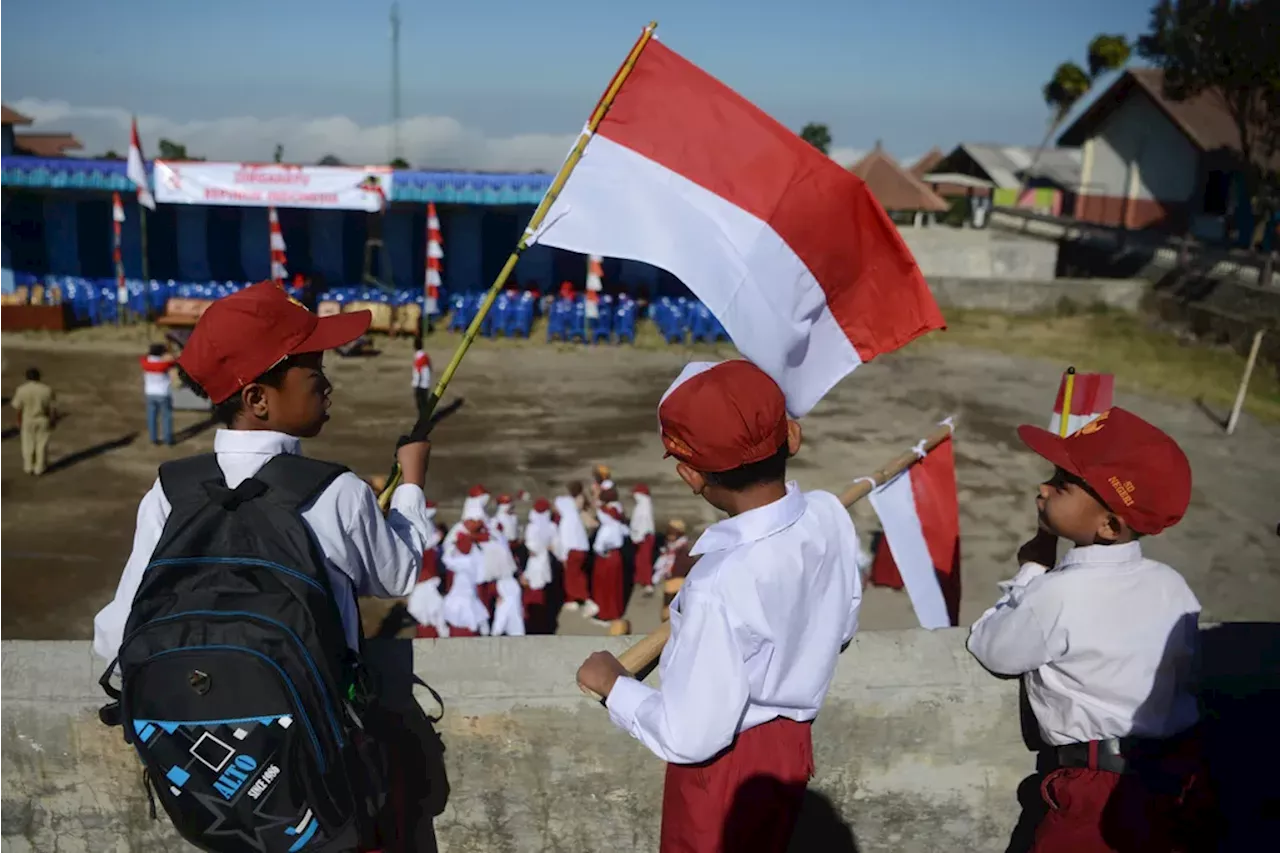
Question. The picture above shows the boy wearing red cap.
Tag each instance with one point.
(756, 628)
(256, 355)
(1105, 640)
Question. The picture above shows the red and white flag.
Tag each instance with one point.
(788, 250)
(279, 269)
(136, 169)
(595, 284)
(1091, 395)
(435, 255)
(919, 512)
(117, 253)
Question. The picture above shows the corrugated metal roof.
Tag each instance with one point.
(1008, 165)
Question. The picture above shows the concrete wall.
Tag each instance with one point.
(1024, 296)
(918, 749)
(970, 253)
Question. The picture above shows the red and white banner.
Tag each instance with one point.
(919, 512)
(1091, 395)
(435, 254)
(273, 185)
(790, 251)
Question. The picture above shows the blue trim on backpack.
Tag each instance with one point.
(306, 835)
(297, 701)
(171, 726)
(315, 671)
(240, 561)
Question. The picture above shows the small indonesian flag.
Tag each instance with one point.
(1091, 395)
(117, 255)
(595, 273)
(137, 169)
(279, 269)
(435, 254)
(117, 210)
(920, 514)
(788, 250)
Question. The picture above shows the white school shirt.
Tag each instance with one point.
(381, 557)
(755, 630)
(155, 376)
(462, 605)
(506, 523)
(421, 370)
(1106, 644)
(539, 538)
(642, 518)
(508, 611)
(573, 535)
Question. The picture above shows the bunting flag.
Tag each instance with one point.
(919, 511)
(279, 268)
(435, 254)
(137, 169)
(117, 255)
(790, 251)
(1091, 395)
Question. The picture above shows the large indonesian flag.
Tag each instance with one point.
(790, 251)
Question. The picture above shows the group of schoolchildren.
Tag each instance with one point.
(493, 575)
(1103, 637)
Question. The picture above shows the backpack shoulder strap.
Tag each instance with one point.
(184, 480)
(296, 480)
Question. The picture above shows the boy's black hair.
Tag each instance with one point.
(768, 470)
(226, 411)
(156, 349)
(33, 374)
(417, 342)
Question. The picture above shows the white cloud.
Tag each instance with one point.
(847, 156)
(425, 141)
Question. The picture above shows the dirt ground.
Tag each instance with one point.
(536, 415)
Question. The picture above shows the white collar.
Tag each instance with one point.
(264, 442)
(753, 525)
(1102, 555)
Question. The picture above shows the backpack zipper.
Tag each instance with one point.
(242, 561)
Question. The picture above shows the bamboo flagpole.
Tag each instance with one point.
(535, 222)
(639, 657)
(1068, 388)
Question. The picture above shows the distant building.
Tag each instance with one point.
(899, 192)
(35, 144)
(1013, 175)
(1151, 162)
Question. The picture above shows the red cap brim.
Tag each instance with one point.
(1049, 447)
(335, 331)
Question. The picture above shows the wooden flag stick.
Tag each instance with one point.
(535, 222)
(640, 656)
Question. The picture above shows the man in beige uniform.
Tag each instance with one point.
(34, 402)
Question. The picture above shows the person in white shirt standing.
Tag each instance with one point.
(540, 537)
(156, 386)
(643, 535)
(574, 546)
(260, 333)
(421, 376)
(756, 629)
(1106, 642)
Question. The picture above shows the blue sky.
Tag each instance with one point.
(507, 83)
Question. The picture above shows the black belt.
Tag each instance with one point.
(1115, 755)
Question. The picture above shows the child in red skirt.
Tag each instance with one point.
(607, 581)
(755, 630)
(643, 535)
(539, 541)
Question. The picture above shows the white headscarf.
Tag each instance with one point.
(473, 509)
(642, 519)
(573, 536)
(540, 537)
(508, 613)
(426, 606)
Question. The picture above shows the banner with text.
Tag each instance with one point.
(273, 185)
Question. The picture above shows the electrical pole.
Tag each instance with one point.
(395, 81)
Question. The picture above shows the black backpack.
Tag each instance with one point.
(238, 688)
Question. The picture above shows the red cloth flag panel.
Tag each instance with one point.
(920, 513)
(790, 251)
(1091, 395)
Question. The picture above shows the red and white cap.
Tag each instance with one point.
(720, 416)
(477, 491)
(242, 336)
(1135, 469)
(504, 500)
(541, 505)
(640, 489)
